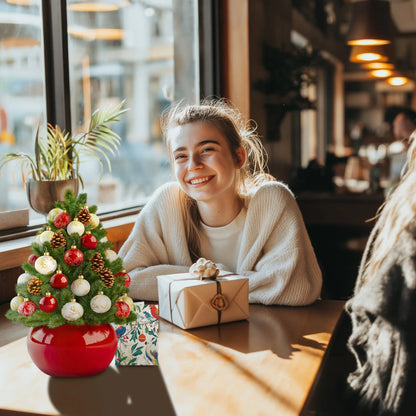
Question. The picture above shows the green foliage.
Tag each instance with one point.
(73, 206)
(57, 156)
(289, 71)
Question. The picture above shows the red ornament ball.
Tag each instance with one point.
(32, 259)
(26, 308)
(123, 310)
(48, 303)
(127, 278)
(62, 220)
(73, 257)
(142, 337)
(89, 241)
(58, 280)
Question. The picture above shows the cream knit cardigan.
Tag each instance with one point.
(276, 253)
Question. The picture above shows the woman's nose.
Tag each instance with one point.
(194, 162)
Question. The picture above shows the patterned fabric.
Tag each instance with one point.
(137, 341)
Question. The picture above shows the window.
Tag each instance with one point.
(142, 51)
(22, 92)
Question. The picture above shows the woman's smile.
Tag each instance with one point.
(200, 180)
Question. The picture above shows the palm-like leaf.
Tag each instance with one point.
(24, 158)
(100, 139)
(57, 156)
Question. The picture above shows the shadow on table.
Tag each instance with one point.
(279, 329)
(330, 394)
(121, 390)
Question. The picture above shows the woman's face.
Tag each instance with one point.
(203, 163)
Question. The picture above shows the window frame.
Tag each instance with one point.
(55, 40)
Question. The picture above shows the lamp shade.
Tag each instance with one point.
(378, 65)
(375, 53)
(371, 23)
(397, 81)
(381, 73)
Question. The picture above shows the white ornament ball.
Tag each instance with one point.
(111, 255)
(100, 303)
(80, 287)
(24, 278)
(53, 213)
(72, 311)
(15, 302)
(45, 264)
(94, 220)
(37, 240)
(46, 236)
(75, 227)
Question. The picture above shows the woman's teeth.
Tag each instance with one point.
(199, 180)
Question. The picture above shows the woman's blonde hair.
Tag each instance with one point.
(394, 216)
(238, 132)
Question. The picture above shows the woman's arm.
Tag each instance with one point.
(156, 245)
(278, 256)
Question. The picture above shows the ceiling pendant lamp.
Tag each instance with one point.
(371, 23)
(378, 65)
(381, 73)
(364, 54)
(397, 81)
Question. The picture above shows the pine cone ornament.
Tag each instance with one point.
(84, 216)
(107, 277)
(58, 240)
(34, 286)
(97, 262)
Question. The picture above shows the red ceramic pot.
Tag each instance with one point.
(72, 350)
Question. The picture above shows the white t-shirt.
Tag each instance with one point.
(222, 244)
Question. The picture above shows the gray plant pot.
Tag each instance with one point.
(43, 194)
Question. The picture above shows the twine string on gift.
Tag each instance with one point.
(218, 302)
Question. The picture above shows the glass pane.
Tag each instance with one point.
(22, 93)
(146, 53)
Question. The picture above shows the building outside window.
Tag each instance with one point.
(142, 51)
(22, 92)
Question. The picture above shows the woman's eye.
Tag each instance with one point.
(179, 156)
(207, 149)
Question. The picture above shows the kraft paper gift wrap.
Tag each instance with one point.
(190, 303)
(137, 341)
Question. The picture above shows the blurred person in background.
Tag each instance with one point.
(403, 125)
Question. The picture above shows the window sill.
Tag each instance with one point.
(16, 249)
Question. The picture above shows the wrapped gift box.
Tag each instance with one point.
(137, 341)
(190, 303)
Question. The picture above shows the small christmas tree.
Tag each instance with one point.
(72, 275)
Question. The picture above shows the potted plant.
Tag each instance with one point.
(55, 166)
(72, 289)
(289, 72)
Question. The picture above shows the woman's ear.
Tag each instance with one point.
(241, 157)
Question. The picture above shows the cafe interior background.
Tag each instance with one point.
(325, 119)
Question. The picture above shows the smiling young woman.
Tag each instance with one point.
(207, 171)
(225, 207)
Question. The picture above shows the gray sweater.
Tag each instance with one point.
(383, 339)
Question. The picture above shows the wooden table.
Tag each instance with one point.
(263, 366)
